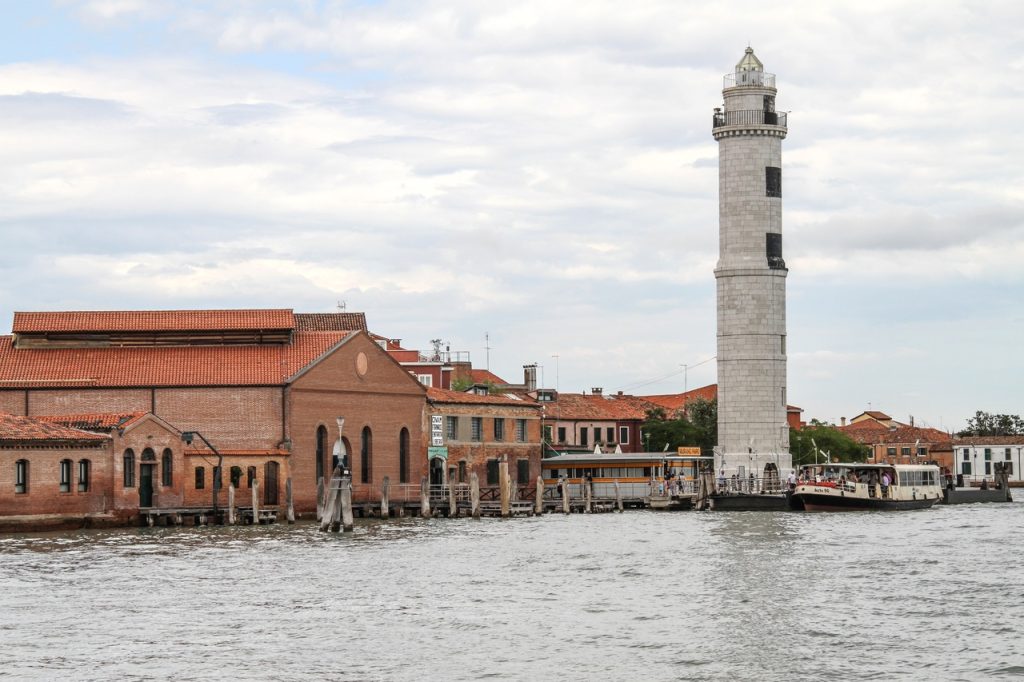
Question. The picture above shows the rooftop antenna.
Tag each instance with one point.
(341, 306)
(487, 348)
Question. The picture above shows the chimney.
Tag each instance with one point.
(530, 377)
(911, 420)
(842, 421)
(620, 392)
(597, 391)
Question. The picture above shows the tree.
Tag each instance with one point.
(985, 424)
(839, 446)
(696, 425)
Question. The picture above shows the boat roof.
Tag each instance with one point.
(867, 465)
(625, 457)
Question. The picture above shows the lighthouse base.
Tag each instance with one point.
(762, 465)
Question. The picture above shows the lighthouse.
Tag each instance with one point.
(753, 434)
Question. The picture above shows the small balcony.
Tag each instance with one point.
(747, 117)
(757, 79)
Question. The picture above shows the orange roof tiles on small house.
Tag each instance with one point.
(95, 421)
(27, 430)
(579, 406)
(440, 395)
(676, 401)
(484, 376)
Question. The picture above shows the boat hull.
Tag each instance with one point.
(825, 502)
(745, 502)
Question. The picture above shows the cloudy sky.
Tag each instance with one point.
(539, 172)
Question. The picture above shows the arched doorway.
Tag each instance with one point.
(437, 471)
(771, 476)
(146, 478)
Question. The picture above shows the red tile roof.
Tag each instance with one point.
(242, 365)
(483, 376)
(440, 395)
(988, 440)
(150, 320)
(598, 407)
(873, 433)
(20, 430)
(675, 401)
(330, 322)
(94, 421)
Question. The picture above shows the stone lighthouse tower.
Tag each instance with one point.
(753, 435)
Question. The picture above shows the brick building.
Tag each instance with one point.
(269, 389)
(893, 442)
(676, 402)
(477, 430)
(578, 421)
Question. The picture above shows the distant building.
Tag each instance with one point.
(976, 457)
(473, 431)
(582, 422)
(893, 442)
(675, 403)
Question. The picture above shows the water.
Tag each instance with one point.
(936, 594)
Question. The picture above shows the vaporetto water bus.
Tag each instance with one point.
(841, 487)
(640, 475)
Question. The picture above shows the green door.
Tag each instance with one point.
(146, 486)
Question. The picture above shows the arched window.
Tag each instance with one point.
(148, 455)
(366, 452)
(21, 476)
(403, 455)
(65, 475)
(129, 468)
(236, 476)
(321, 448)
(200, 478)
(83, 475)
(250, 476)
(167, 467)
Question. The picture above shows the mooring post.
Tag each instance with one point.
(231, 504)
(618, 495)
(587, 495)
(291, 503)
(539, 506)
(346, 504)
(453, 508)
(320, 500)
(385, 494)
(474, 494)
(330, 500)
(425, 497)
(255, 502)
(566, 504)
(503, 490)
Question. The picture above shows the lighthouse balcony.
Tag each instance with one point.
(746, 117)
(757, 79)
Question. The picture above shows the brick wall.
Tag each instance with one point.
(232, 418)
(79, 400)
(44, 495)
(384, 398)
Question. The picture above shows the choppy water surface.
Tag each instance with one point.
(936, 594)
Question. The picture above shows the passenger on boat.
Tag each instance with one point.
(885, 484)
(791, 480)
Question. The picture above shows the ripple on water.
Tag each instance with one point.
(661, 596)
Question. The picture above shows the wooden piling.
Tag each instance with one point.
(331, 491)
(255, 502)
(539, 506)
(474, 494)
(425, 497)
(385, 495)
(320, 501)
(231, 504)
(618, 496)
(503, 490)
(587, 490)
(453, 508)
(291, 503)
(566, 504)
(346, 505)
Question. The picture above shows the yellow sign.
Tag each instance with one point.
(689, 451)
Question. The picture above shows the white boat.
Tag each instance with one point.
(841, 487)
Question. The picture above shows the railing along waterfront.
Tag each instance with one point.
(748, 117)
(754, 78)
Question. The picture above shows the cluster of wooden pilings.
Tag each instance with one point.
(335, 510)
(233, 514)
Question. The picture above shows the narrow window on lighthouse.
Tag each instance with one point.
(773, 181)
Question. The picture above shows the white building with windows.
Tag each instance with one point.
(976, 458)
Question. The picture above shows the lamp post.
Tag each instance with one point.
(218, 474)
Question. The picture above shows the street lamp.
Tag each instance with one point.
(188, 437)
